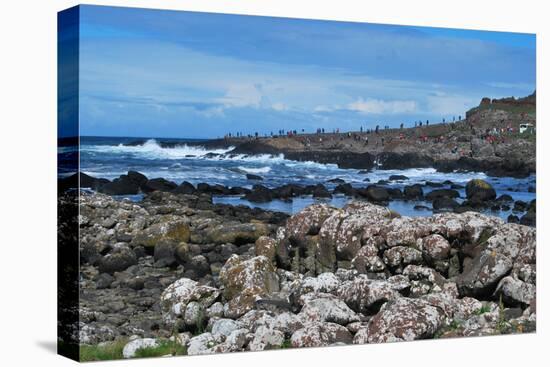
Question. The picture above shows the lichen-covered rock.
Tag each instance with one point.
(405, 319)
(178, 295)
(222, 328)
(320, 334)
(266, 338)
(327, 308)
(435, 247)
(401, 255)
(515, 291)
(201, 344)
(170, 229)
(245, 281)
(266, 246)
(485, 272)
(306, 222)
(365, 295)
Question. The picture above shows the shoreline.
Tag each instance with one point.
(323, 276)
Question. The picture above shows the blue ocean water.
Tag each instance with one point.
(111, 157)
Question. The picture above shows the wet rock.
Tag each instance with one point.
(337, 181)
(345, 189)
(413, 191)
(398, 178)
(250, 176)
(185, 188)
(442, 193)
(259, 194)
(158, 184)
(480, 190)
(376, 193)
(444, 203)
(529, 219)
(321, 191)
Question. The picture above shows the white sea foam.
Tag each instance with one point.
(152, 150)
(254, 170)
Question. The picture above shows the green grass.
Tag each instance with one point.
(286, 344)
(166, 347)
(106, 352)
(483, 309)
(113, 350)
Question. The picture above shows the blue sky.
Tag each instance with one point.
(183, 74)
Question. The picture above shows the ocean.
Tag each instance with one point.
(111, 157)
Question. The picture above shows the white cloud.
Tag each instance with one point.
(242, 95)
(279, 106)
(378, 106)
(450, 104)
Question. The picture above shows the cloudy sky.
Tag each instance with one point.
(181, 74)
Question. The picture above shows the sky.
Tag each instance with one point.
(158, 73)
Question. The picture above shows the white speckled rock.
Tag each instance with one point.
(405, 319)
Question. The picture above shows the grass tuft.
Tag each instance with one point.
(103, 352)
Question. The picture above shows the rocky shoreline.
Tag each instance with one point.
(443, 196)
(218, 278)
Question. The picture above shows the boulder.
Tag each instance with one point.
(320, 334)
(515, 291)
(365, 295)
(398, 178)
(266, 338)
(405, 319)
(442, 193)
(413, 191)
(321, 191)
(185, 188)
(119, 259)
(266, 246)
(246, 281)
(327, 308)
(480, 190)
(376, 193)
(159, 184)
(444, 203)
(435, 247)
(170, 230)
(259, 194)
(176, 297)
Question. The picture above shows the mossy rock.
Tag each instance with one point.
(480, 190)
